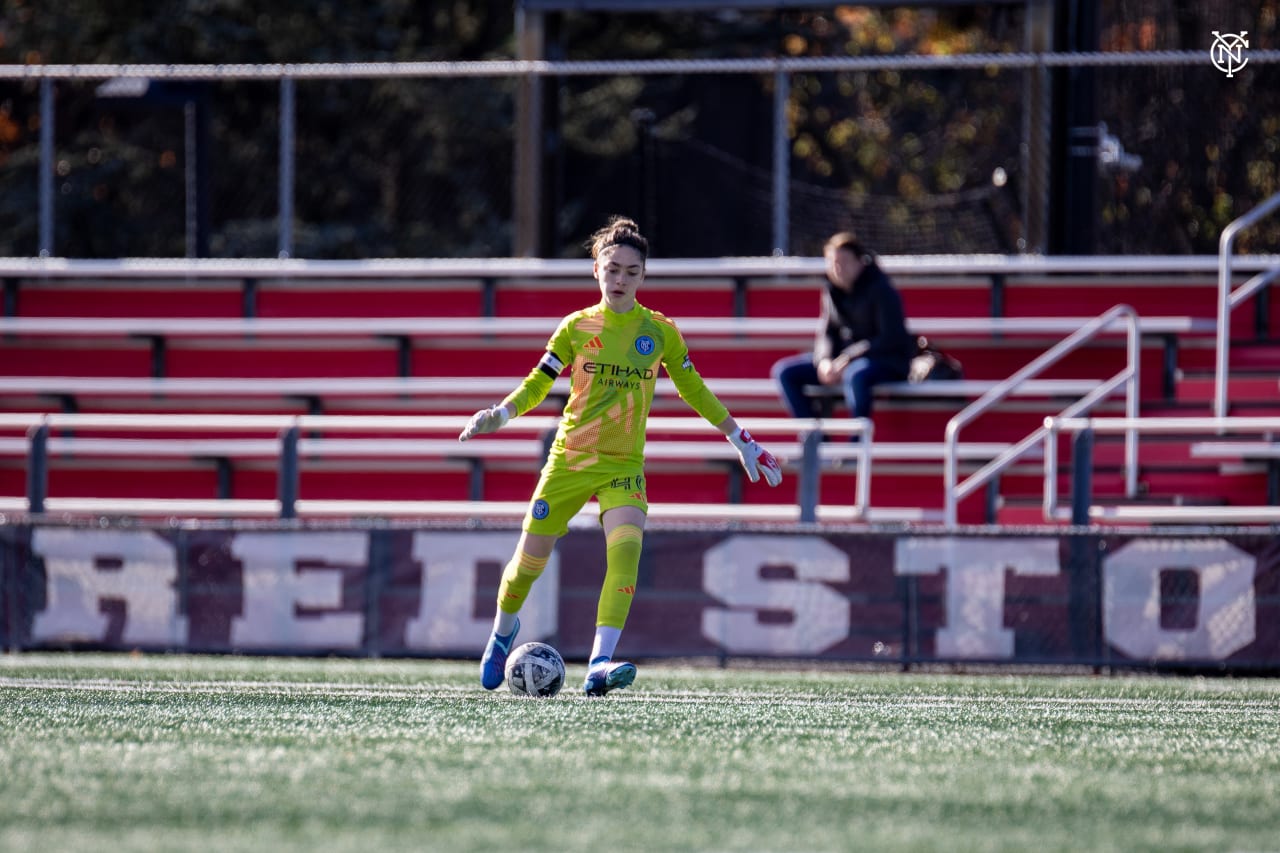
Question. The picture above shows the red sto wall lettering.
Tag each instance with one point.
(846, 596)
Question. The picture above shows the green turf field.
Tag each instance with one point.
(101, 752)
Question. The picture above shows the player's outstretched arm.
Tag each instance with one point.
(491, 419)
(755, 459)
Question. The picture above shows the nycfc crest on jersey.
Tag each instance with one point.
(645, 345)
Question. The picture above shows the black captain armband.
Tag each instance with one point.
(550, 364)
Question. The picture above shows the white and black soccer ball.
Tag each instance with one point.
(535, 669)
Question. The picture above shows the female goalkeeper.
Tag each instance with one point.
(613, 350)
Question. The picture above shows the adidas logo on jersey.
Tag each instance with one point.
(594, 343)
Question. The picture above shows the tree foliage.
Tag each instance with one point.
(1210, 144)
(423, 167)
(383, 167)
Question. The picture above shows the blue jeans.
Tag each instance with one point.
(792, 373)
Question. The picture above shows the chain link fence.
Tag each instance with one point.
(918, 154)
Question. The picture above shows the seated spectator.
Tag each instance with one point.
(862, 337)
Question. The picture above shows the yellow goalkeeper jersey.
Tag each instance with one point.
(613, 361)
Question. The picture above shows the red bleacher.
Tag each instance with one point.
(1168, 471)
(138, 298)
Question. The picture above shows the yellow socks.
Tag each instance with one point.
(622, 550)
(517, 578)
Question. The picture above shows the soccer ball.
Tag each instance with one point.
(535, 669)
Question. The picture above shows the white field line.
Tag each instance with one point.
(280, 688)
(1208, 705)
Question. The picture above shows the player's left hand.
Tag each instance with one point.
(755, 459)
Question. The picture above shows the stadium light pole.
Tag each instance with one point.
(47, 168)
(781, 164)
(1075, 170)
(1034, 189)
(528, 189)
(284, 200)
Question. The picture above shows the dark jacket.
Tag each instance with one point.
(871, 311)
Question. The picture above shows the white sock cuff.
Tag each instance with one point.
(606, 641)
(504, 623)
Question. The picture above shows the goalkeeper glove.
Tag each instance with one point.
(755, 459)
(491, 419)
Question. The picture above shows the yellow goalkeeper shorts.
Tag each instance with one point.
(562, 493)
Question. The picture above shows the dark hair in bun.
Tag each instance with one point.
(619, 231)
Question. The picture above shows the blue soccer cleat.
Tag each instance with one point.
(604, 675)
(493, 666)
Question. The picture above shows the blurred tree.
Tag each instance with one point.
(416, 167)
(384, 167)
(907, 157)
(1209, 144)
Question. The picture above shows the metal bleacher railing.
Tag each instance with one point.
(1127, 379)
(480, 390)
(249, 331)
(291, 439)
(1262, 447)
(1229, 299)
